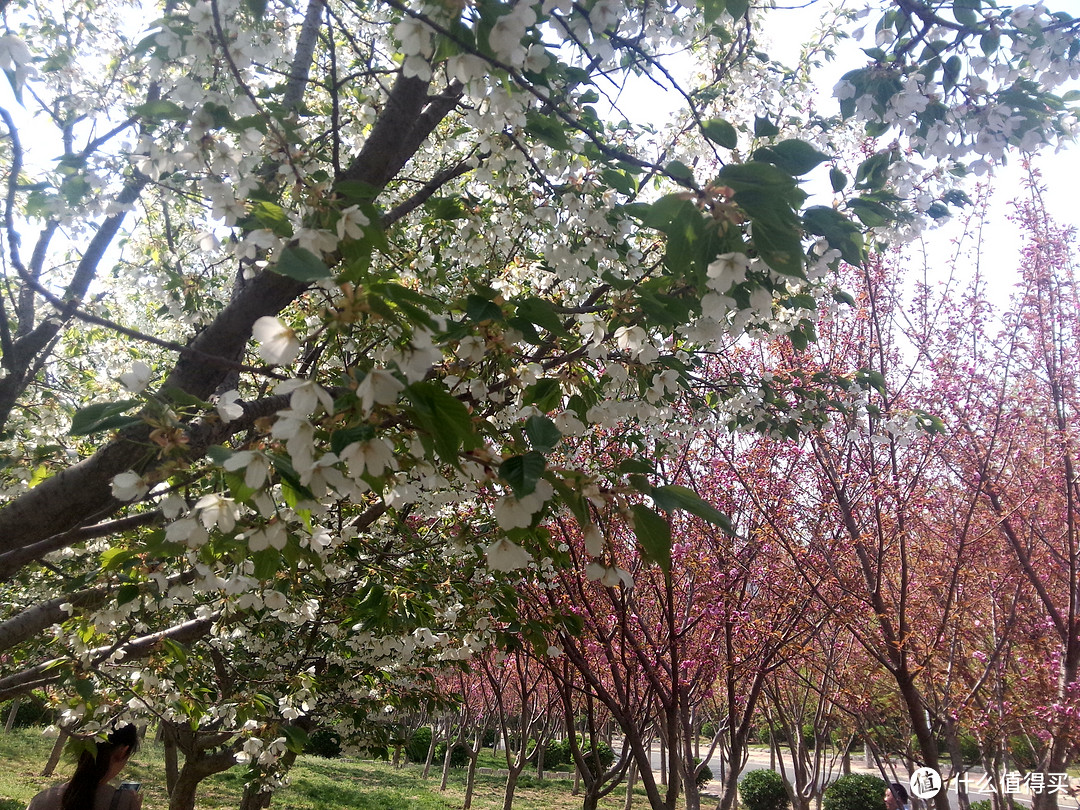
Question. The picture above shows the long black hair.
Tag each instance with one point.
(93, 765)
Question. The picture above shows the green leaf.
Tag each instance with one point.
(356, 191)
(547, 129)
(161, 110)
(542, 313)
(873, 172)
(838, 179)
(175, 650)
(721, 132)
(793, 156)
(126, 593)
(178, 396)
(300, 264)
(763, 127)
(296, 739)
(340, 439)
(479, 309)
(870, 212)
(635, 465)
(85, 688)
(542, 433)
(737, 8)
(620, 181)
(522, 472)
(103, 416)
(843, 297)
(964, 12)
(267, 563)
(268, 215)
(953, 66)
(757, 176)
(673, 496)
(711, 10)
(289, 476)
(444, 417)
(654, 536)
(989, 43)
(667, 213)
(113, 559)
(446, 208)
(840, 232)
(545, 394)
(679, 170)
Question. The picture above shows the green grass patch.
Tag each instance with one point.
(316, 783)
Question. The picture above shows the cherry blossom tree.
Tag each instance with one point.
(307, 307)
(1015, 454)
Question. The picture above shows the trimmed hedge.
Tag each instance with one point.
(417, 747)
(855, 791)
(459, 754)
(763, 790)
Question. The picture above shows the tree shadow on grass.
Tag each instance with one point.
(326, 784)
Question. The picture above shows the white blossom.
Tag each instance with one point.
(137, 378)
(229, 407)
(278, 343)
(610, 576)
(379, 387)
(594, 541)
(217, 510)
(502, 555)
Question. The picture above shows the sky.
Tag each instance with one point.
(1002, 240)
(782, 36)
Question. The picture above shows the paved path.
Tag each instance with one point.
(759, 760)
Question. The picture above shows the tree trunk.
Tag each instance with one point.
(511, 786)
(446, 764)
(11, 714)
(58, 749)
(470, 780)
(631, 777)
(430, 750)
(731, 789)
(663, 762)
(182, 796)
(172, 766)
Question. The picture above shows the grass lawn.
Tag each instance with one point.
(317, 784)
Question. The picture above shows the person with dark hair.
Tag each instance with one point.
(896, 797)
(89, 788)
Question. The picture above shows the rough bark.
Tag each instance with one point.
(43, 674)
(81, 494)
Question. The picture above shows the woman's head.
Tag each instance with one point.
(99, 765)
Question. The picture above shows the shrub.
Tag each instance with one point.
(556, 754)
(324, 742)
(855, 791)
(969, 749)
(603, 751)
(704, 775)
(459, 754)
(419, 742)
(1024, 757)
(982, 804)
(763, 790)
(33, 711)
